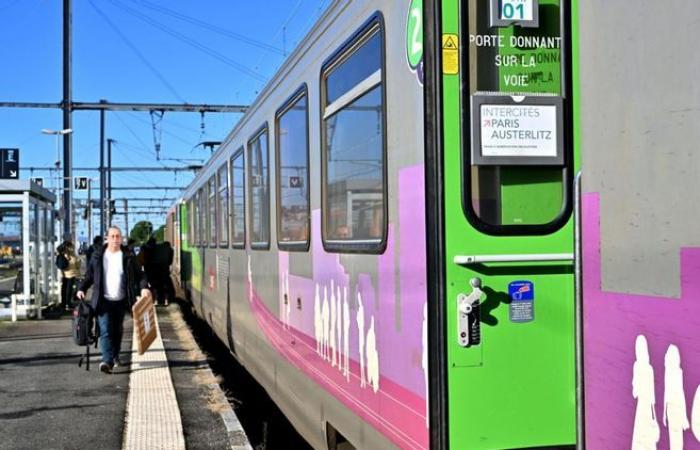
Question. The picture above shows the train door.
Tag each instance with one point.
(509, 162)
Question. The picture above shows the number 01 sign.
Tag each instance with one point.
(524, 13)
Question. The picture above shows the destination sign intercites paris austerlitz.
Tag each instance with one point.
(519, 130)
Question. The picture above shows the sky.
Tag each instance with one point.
(139, 51)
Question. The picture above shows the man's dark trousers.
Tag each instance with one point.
(110, 316)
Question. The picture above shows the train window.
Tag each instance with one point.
(354, 146)
(293, 174)
(190, 222)
(518, 150)
(192, 219)
(361, 61)
(211, 213)
(202, 228)
(195, 220)
(198, 218)
(259, 195)
(222, 180)
(238, 200)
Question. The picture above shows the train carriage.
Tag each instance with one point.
(396, 241)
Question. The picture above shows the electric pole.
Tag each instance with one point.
(67, 118)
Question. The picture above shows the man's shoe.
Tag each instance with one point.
(117, 363)
(166, 302)
(105, 368)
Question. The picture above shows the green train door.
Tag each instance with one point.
(509, 166)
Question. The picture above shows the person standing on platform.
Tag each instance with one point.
(168, 287)
(96, 243)
(69, 264)
(116, 280)
(149, 259)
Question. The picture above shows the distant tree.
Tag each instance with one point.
(141, 232)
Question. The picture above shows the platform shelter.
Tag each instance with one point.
(29, 280)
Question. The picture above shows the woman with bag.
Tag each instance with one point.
(69, 264)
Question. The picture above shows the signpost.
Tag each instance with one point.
(295, 182)
(80, 183)
(9, 163)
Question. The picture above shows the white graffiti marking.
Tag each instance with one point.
(332, 332)
(646, 433)
(361, 334)
(646, 428)
(675, 416)
(372, 357)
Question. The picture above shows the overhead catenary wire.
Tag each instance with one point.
(138, 53)
(142, 152)
(133, 133)
(210, 27)
(176, 124)
(281, 29)
(169, 133)
(191, 42)
(312, 18)
(156, 124)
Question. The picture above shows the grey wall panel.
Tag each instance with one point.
(640, 105)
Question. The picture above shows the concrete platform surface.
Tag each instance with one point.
(48, 402)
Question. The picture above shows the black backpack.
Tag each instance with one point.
(83, 324)
(84, 330)
(61, 261)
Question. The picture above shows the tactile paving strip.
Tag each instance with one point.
(153, 419)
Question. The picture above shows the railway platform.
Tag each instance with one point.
(167, 398)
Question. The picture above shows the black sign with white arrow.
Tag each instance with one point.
(296, 182)
(80, 183)
(9, 163)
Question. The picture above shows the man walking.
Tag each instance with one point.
(117, 280)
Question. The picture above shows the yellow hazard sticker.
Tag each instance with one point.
(450, 54)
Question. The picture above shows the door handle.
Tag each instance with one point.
(467, 260)
(468, 326)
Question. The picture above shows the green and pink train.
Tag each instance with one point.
(464, 224)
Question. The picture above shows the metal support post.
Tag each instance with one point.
(89, 211)
(102, 170)
(109, 181)
(67, 119)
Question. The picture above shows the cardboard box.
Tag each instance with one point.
(145, 322)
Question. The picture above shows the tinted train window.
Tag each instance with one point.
(353, 154)
(259, 194)
(190, 222)
(238, 200)
(513, 190)
(202, 227)
(191, 217)
(211, 213)
(293, 174)
(361, 61)
(222, 181)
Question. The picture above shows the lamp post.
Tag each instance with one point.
(58, 134)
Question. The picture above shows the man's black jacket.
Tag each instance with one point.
(135, 278)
